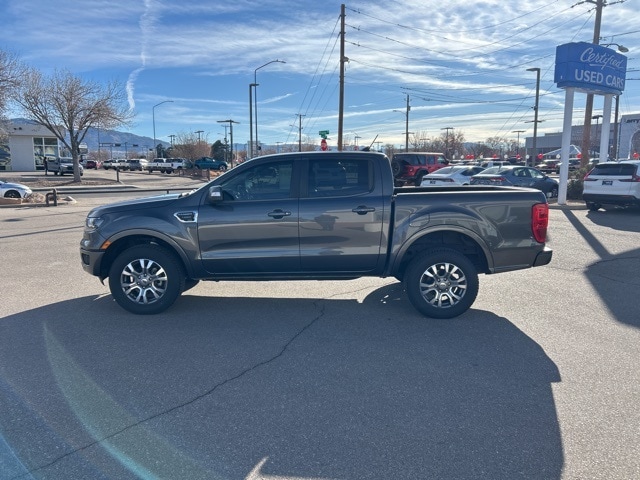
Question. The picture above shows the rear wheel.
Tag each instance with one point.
(146, 279)
(441, 283)
(12, 194)
(594, 207)
(222, 168)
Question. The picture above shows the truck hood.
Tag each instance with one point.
(157, 201)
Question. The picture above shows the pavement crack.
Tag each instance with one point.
(321, 312)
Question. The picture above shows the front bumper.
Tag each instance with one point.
(91, 261)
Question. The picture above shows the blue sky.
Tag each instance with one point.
(463, 63)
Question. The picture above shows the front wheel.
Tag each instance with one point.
(441, 283)
(146, 279)
(222, 168)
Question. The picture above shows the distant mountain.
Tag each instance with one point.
(110, 138)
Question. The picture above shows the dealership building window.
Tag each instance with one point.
(43, 146)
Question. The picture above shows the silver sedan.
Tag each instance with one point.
(452, 175)
(14, 190)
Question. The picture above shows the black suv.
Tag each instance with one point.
(409, 168)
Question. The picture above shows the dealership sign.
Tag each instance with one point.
(590, 68)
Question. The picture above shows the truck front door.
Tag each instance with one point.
(255, 229)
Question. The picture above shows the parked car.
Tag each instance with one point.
(549, 166)
(574, 164)
(62, 165)
(95, 164)
(517, 176)
(612, 183)
(116, 163)
(14, 190)
(409, 168)
(452, 175)
(137, 164)
(494, 163)
(212, 163)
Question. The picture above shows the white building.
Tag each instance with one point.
(28, 144)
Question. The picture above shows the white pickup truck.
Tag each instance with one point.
(165, 165)
(116, 164)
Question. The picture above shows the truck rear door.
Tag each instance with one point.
(341, 214)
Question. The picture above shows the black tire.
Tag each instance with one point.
(222, 168)
(593, 207)
(146, 279)
(12, 194)
(419, 179)
(441, 283)
(553, 193)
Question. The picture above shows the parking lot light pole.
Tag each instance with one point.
(153, 114)
(255, 99)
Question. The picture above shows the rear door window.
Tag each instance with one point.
(614, 170)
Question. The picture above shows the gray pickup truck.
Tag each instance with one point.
(316, 215)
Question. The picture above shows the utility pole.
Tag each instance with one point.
(534, 146)
(299, 115)
(230, 122)
(518, 141)
(343, 59)
(588, 109)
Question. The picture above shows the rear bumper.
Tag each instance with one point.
(610, 199)
(543, 258)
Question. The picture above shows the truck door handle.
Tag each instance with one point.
(363, 210)
(278, 213)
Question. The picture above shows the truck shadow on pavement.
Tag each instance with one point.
(236, 387)
(614, 276)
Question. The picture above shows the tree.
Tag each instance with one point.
(190, 146)
(219, 150)
(68, 106)
(10, 74)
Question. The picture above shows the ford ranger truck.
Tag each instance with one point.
(315, 216)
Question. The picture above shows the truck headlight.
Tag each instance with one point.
(93, 223)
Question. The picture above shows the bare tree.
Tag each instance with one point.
(190, 146)
(10, 74)
(68, 106)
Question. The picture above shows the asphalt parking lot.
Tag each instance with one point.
(540, 379)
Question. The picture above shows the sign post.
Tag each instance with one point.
(592, 69)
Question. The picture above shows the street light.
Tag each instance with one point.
(153, 114)
(198, 132)
(596, 118)
(446, 145)
(406, 125)
(534, 153)
(621, 48)
(255, 99)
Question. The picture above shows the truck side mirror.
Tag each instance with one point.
(215, 194)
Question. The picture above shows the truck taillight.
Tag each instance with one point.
(540, 221)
